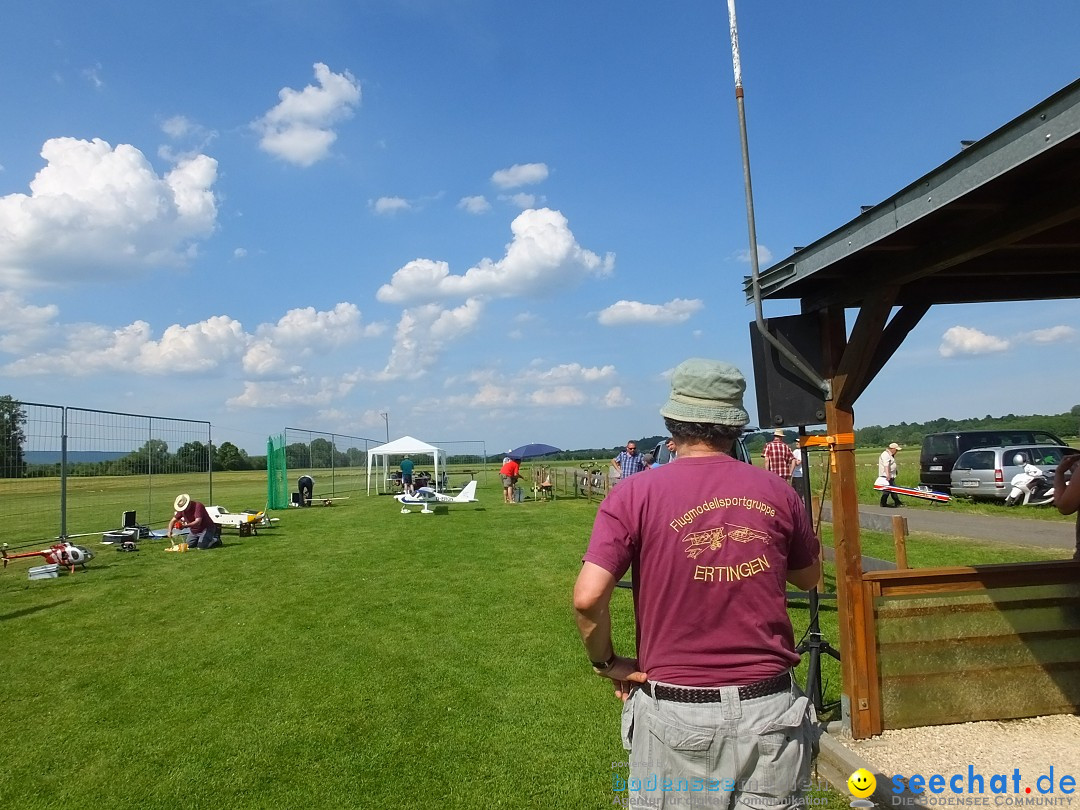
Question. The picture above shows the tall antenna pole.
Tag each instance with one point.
(796, 361)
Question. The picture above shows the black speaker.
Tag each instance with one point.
(784, 397)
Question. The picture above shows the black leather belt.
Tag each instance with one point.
(678, 694)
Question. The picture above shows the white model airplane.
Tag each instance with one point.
(223, 517)
(427, 497)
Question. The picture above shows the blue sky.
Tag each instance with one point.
(493, 221)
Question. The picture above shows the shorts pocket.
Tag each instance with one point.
(784, 752)
(679, 751)
(626, 730)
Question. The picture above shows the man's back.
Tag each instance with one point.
(714, 538)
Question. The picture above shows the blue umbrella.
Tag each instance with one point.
(532, 451)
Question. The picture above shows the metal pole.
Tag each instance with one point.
(797, 362)
(63, 472)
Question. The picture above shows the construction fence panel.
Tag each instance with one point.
(31, 448)
(70, 472)
(119, 462)
(336, 462)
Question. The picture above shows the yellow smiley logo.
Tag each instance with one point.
(861, 783)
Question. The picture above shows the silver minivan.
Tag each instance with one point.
(987, 471)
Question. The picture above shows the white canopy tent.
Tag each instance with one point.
(405, 446)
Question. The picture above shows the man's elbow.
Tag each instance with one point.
(586, 598)
(805, 578)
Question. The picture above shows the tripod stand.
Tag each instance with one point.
(813, 641)
(815, 644)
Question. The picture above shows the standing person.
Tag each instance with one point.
(406, 475)
(711, 542)
(510, 472)
(886, 468)
(1067, 495)
(778, 456)
(628, 462)
(798, 473)
(203, 533)
(305, 485)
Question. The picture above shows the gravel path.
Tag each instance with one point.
(991, 746)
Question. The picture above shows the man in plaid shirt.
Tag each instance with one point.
(778, 456)
(628, 461)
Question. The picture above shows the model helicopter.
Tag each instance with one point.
(62, 553)
(428, 497)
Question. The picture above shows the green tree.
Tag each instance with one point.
(152, 457)
(12, 438)
(231, 457)
(193, 457)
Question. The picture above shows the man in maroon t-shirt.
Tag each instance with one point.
(192, 515)
(710, 706)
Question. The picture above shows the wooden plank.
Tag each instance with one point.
(873, 692)
(930, 645)
(996, 606)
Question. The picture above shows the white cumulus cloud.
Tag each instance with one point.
(421, 331)
(621, 313)
(615, 398)
(520, 174)
(764, 255)
(570, 372)
(559, 396)
(965, 340)
(391, 205)
(542, 254)
(474, 205)
(99, 213)
(299, 129)
(300, 333)
(1054, 334)
(302, 390)
(23, 325)
(89, 349)
(521, 200)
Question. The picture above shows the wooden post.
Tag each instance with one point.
(850, 599)
(899, 536)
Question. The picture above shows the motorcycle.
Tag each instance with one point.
(1030, 487)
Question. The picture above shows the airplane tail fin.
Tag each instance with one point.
(468, 494)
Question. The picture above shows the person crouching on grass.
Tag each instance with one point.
(192, 515)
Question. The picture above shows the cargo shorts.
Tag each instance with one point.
(731, 755)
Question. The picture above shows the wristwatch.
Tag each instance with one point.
(604, 666)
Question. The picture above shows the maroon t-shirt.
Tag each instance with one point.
(195, 517)
(711, 540)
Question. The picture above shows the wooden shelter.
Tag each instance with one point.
(998, 222)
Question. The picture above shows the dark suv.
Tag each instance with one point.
(940, 450)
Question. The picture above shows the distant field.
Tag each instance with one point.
(351, 657)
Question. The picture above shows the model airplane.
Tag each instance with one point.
(62, 553)
(428, 497)
(223, 517)
(882, 485)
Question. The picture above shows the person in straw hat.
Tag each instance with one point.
(709, 699)
(192, 515)
(778, 456)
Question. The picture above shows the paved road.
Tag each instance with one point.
(1016, 531)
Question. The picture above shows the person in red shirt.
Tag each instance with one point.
(711, 542)
(510, 472)
(778, 456)
(191, 515)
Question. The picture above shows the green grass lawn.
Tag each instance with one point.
(351, 657)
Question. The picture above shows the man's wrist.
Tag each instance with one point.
(604, 666)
